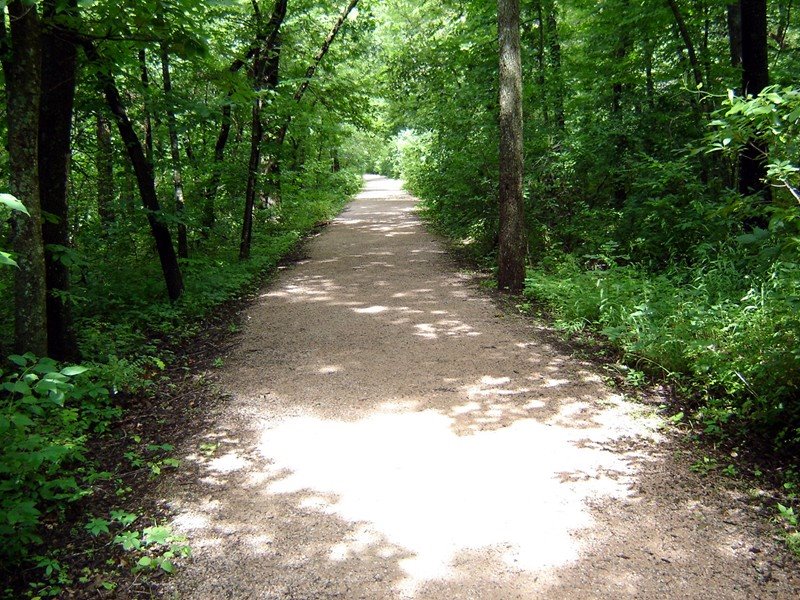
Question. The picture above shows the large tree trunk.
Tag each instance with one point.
(755, 77)
(511, 258)
(175, 154)
(143, 170)
(22, 70)
(59, 64)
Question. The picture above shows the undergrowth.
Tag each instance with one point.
(52, 414)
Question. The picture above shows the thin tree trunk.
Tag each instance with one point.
(269, 37)
(175, 153)
(687, 42)
(511, 256)
(277, 139)
(148, 122)
(278, 136)
(104, 164)
(256, 135)
(22, 79)
(143, 170)
(59, 67)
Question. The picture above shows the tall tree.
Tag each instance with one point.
(268, 35)
(511, 257)
(755, 77)
(277, 138)
(22, 70)
(59, 66)
(143, 170)
(175, 153)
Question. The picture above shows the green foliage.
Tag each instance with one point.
(728, 335)
(46, 415)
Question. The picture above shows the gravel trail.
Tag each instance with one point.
(391, 433)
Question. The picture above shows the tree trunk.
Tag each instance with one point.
(148, 122)
(143, 170)
(511, 258)
(269, 37)
(175, 154)
(755, 77)
(104, 163)
(59, 65)
(256, 136)
(22, 70)
(697, 72)
(272, 166)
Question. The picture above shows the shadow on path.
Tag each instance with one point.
(392, 434)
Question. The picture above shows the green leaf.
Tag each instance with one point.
(97, 526)
(21, 421)
(74, 370)
(5, 259)
(167, 566)
(145, 561)
(13, 203)
(18, 360)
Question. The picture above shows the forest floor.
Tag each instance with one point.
(390, 431)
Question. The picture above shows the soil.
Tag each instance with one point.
(389, 431)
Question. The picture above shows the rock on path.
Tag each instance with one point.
(391, 434)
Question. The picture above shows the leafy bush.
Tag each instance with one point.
(730, 336)
(46, 416)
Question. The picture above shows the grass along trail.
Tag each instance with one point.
(390, 433)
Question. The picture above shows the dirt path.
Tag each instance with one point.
(392, 434)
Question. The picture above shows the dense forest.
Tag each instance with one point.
(161, 156)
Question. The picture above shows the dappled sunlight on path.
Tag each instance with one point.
(392, 434)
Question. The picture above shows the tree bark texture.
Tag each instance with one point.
(755, 77)
(175, 154)
(511, 258)
(59, 66)
(143, 170)
(22, 70)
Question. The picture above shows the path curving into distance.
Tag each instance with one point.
(390, 433)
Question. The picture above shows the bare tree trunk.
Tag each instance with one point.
(511, 257)
(22, 71)
(755, 77)
(143, 170)
(59, 67)
(175, 154)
